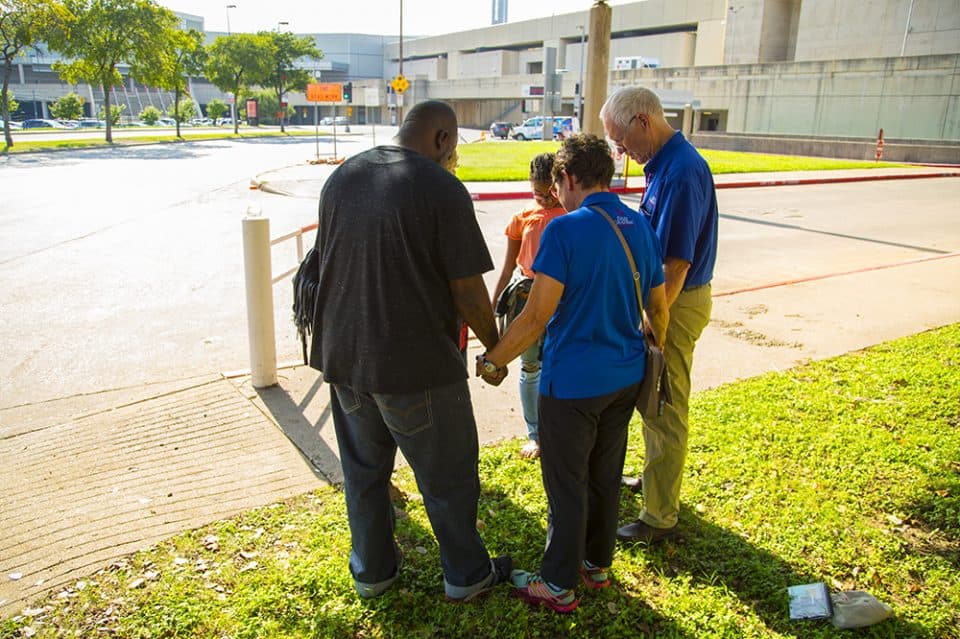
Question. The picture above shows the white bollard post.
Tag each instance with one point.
(258, 275)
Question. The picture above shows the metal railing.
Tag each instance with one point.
(298, 234)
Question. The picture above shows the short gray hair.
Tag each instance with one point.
(625, 103)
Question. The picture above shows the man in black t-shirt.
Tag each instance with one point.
(401, 261)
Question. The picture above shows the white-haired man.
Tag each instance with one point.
(681, 203)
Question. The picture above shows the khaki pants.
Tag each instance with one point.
(665, 437)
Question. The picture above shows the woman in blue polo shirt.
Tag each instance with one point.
(593, 362)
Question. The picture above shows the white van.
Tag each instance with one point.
(532, 128)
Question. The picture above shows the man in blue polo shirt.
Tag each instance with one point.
(680, 202)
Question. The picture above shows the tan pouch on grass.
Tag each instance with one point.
(857, 609)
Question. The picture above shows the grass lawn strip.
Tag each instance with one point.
(845, 471)
(510, 161)
(487, 162)
(27, 146)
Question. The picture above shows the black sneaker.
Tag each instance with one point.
(641, 531)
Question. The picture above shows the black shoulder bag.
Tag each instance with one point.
(305, 288)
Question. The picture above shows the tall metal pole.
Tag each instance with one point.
(233, 105)
(906, 30)
(400, 95)
(583, 54)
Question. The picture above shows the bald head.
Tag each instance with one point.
(430, 128)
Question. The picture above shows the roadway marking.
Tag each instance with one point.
(813, 278)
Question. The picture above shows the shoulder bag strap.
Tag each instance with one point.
(626, 249)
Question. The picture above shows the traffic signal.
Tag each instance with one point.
(348, 91)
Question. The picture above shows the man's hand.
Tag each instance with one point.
(492, 377)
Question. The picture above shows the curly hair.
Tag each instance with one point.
(586, 157)
(541, 168)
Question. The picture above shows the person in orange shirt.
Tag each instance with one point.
(510, 294)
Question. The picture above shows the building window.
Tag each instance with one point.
(535, 68)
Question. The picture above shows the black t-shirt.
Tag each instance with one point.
(395, 228)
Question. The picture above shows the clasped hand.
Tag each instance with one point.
(494, 378)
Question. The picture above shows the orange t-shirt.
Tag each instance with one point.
(527, 226)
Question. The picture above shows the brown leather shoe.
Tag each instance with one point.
(641, 531)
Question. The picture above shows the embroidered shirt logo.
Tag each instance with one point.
(623, 220)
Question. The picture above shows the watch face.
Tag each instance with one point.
(489, 367)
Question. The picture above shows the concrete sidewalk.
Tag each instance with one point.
(306, 180)
(90, 478)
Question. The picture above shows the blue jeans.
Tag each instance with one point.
(436, 432)
(530, 366)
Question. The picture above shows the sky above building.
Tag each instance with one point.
(420, 17)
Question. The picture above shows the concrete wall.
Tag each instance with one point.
(682, 47)
(832, 29)
(915, 98)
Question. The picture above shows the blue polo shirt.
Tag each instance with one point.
(594, 344)
(681, 204)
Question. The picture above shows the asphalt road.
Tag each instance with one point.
(123, 267)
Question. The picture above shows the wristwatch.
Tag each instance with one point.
(489, 368)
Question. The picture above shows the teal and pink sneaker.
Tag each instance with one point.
(594, 577)
(532, 588)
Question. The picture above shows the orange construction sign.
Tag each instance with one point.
(325, 92)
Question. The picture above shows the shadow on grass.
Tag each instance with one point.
(714, 556)
(415, 606)
(934, 523)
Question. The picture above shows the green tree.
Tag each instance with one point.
(184, 113)
(285, 49)
(67, 107)
(105, 33)
(112, 115)
(183, 55)
(23, 23)
(235, 62)
(150, 115)
(216, 108)
(267, 106)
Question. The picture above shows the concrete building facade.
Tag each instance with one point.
(779, 69)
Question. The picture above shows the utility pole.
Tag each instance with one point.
(599, 66)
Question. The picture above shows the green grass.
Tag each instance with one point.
(845, 471)
(504, 161)
(22, 145)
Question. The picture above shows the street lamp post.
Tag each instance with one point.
(583, 33)
(283, 111)
(229, 6)
(733, 31)
(233, 104)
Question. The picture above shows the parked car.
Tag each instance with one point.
(13, 125)
(225, 122)
(500, 130)
(39, 123)
(91, 123)
(166, 122)
(201, 122)
(532, 128)
(342, 120)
